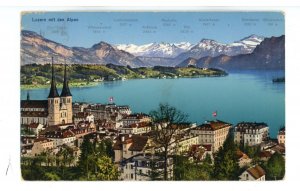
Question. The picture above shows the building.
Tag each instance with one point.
(143, 167)
(127, 146)
(184, 143)
(244, 160)
(136, 128)
(212, 133)
(281, 136)
(41, 145)
(135, 118)
(35, 128)
(251, 134)
(253, 173)
(56, 110)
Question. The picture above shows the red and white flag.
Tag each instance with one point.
(214, 113)
(111, 99)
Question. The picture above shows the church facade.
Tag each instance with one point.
(54, 111)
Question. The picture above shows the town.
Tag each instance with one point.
(66, 140)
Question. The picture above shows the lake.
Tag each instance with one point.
(240, 96)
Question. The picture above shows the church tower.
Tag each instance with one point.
(66, 100)
(53, 102)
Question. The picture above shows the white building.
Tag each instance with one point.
(248, 133)
(281, 136)
(145, 167)
(127, 146)
(135, 118)
(136, 128)
(212, 133)
(255, 173)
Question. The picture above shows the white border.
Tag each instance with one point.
(9, 98)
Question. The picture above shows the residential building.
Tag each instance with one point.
(136, 128)
(41, 145)
(128, 145)
(143, 167)
(184, 143)
(212, 133)
(253, 173)
(281, 136)
(244, 159)
(135, 118)
(35, 128)
(249, 133)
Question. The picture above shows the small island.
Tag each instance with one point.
(279, 80)
(39, 76)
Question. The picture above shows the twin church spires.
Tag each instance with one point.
(53, 90)
(60, 109)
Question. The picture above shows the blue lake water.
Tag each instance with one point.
(240, 96)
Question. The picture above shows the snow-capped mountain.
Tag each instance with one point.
(166, 50)
(212, 48)
(269, 54)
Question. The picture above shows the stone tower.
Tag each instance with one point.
(53, 102)
(66, 100)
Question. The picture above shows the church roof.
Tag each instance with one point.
(53, 90)
(65, 91)
(34, 104)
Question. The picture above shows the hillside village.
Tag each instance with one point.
(66, 140)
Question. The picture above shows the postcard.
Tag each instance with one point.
(152, 95)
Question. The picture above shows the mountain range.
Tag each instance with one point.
(269, 54)
(37, 49)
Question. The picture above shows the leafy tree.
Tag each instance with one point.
(275, 168)
(51, 176)
(106, 169)
(165, 117)
(226, 165)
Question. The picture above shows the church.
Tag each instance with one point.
(57, 110)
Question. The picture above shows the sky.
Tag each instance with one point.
(84, 29)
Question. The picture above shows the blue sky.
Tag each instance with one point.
(89, 28)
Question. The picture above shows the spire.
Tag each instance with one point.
(53, 91)
(65, 91)
(28, 96)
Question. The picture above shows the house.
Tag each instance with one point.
(185, 142)
(35, 128)
(143, 167)
(136, 128)
(244, 160)
(60, 137)
(281, 136)
(198, 153)
(253, 173)
(128, 145)
(212, 132)
(265, 155)
(40, 145)
(135, 118)
(251, 134)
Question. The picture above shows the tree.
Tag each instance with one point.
(275, 168)
(106, 169)
(226, 165)
(86, 150)
(167, 120)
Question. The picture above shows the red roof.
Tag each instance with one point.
(256, 171)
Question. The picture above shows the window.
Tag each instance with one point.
(131, 175)
(140, 171)
(131, 166)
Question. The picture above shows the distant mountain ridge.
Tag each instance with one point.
(269, 54)
(37, 49)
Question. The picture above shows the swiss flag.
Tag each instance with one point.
(214, 113)
(111, 99)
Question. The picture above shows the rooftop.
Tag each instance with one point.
(34, 104)
(213, 125)
(256, 171)
(250, 125)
